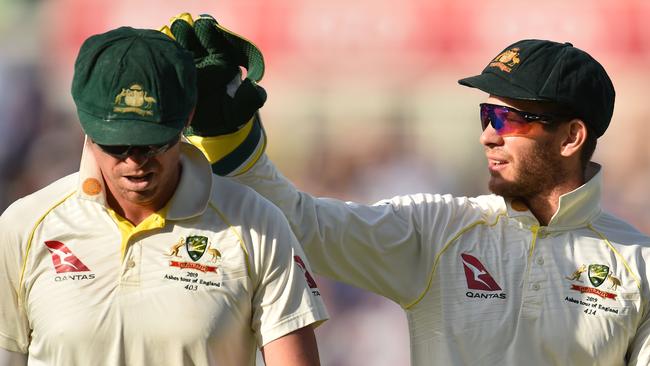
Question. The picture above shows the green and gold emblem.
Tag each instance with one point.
(196, 246)
(135, 100)
(598, 274)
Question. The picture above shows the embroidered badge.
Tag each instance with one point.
(506, 60)
(134, 100)
(597, 274)
(195, 246)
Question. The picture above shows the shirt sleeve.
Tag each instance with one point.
(286, 297)
(14, 327)
(388, 248)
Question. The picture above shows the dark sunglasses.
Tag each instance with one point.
(145, 151)
(511, 121)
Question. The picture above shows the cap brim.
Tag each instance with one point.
(495, 85)
(129, 132)
(253, 59)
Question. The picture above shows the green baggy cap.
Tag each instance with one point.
(133, 87)
(541, 70)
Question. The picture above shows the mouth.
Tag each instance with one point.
(495, 164)
(139, 181)
(139, 178)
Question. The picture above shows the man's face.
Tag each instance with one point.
(522, 165)
(140, 180)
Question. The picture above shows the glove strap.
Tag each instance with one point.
(235, 153)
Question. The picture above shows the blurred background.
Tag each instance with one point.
(363, 104)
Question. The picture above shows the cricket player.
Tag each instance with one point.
(144, 257)
(535, 273)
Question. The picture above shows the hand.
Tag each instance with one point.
(225, 102)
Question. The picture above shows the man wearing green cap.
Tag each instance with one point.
(144, 257)
(535, 273)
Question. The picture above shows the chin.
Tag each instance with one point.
(502, 188)
(143, 197)
(519, 188)
(496, 184)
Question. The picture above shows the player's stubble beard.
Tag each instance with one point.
(537, 171)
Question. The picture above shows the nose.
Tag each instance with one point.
(490, 138)
(138, 156)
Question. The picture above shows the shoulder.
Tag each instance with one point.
(32, 207)
(22, 217)
(618, 231)
(238, 200)
(262, 228)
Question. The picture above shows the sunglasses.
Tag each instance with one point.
(146, 151)
(511, 121)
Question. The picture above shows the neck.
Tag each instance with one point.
(544, 205)
(137, 209)
(133, 212)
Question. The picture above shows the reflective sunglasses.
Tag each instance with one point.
(146, 151)
(511, 121)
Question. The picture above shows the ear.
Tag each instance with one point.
(574, 137)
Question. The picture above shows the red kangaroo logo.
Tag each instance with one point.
(63, 259)
(308, 277)
(477, 276)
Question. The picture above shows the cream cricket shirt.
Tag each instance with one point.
(207, 280)
(481, 282)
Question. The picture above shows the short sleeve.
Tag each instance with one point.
(286, 296)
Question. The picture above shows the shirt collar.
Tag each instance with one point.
(581, 205)
(575, 209)
(192, 194)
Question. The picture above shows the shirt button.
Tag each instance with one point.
(536, 286)
(540, 261)
(130, 263)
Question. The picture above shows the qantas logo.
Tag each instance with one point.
(478, 278)
(310, 280)
(63, 259)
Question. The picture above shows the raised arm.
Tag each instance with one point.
(376, 247)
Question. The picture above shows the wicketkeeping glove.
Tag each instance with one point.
(225, 103)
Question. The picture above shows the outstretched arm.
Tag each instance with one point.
(378, 247)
